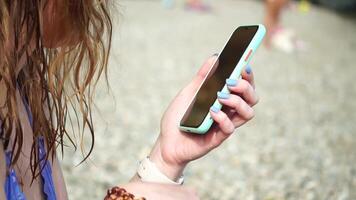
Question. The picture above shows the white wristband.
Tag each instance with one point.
(148, 172)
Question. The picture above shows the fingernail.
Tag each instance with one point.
(223, 95)
(214, 109)
(215, 54)
(248, 69)
(231, 82)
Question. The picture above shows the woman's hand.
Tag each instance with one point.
(174, 149)
(154, 191)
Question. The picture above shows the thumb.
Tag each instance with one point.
(184, 96)
(208, 64)
(191, 88)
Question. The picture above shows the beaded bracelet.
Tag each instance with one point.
(117, 193)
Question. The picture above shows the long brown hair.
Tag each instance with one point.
(59, 75)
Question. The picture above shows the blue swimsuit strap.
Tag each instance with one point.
(12, 188)
(46, 173)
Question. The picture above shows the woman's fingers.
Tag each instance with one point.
(227, 123)
(238, 120)
(224, 128)
(233, 101)
(220, 117)
(244, 88)
(247, 74)
(237, 110)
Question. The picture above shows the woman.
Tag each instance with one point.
(52, 54)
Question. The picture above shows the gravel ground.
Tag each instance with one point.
(302, 142)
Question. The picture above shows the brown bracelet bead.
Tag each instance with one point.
(117, 193)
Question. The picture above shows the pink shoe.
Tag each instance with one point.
(200, 7)
(286, 40)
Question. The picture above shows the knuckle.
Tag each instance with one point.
(257, 100)
(251, 114)
(238, 102)
(224, 118)
(244, 85)
(229, 127)
(219, 118)
(253, 102)
(215, 144)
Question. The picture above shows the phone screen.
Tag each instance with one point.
(216, 79)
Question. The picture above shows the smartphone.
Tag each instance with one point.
(236, 54)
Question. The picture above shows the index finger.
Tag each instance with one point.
(247, 74)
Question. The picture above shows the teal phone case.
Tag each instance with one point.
(255, 43)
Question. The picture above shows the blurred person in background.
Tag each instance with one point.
(197, 5)
(273, 14)
(194, 5)
(285, 39)
(51, 55)
(278, 36)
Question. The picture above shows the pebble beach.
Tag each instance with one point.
(301, 143)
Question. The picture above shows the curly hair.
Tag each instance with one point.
(58, 76)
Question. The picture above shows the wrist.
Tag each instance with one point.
(169, 168)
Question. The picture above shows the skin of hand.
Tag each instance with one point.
(174, 149)
(154, 191)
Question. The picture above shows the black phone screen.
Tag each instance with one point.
(216, 79)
